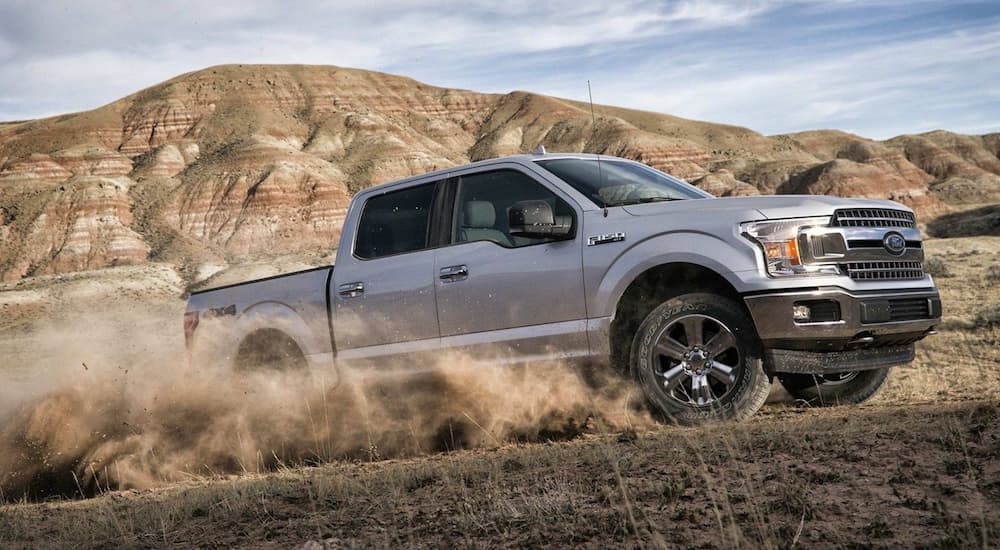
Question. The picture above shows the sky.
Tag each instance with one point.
(878, 68)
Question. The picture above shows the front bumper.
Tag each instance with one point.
(871, 329)
(858, 320)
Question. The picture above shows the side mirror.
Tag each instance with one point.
(534, 219)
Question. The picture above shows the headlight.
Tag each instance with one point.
(780, 242)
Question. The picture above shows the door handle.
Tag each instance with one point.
(454, 273)
(351, 290)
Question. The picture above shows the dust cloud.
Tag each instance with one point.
(114, 403)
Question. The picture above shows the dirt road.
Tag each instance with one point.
(917, 467)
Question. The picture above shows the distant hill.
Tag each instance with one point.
(233, 162)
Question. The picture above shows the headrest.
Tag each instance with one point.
(479, 214)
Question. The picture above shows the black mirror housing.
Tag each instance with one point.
(534, 219)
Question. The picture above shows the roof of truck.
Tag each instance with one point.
(520, 159)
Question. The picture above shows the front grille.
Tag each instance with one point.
(873, 217)
(883, 271)
(909, 309)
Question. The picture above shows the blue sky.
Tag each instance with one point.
(877, 68)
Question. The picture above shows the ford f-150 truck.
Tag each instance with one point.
(534, 257)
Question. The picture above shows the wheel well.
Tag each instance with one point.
(652, 288)
(268, 348)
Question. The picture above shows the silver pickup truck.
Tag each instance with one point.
(702, 300)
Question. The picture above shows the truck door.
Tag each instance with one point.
(382, 291)
(505, 295)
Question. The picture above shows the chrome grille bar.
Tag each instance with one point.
(868, 271)
(873, 217)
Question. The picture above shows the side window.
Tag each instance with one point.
(484, 199)
(395, 222)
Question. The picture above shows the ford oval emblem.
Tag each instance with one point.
(894, 243)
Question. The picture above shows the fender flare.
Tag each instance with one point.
(277, 316)
(689, 247)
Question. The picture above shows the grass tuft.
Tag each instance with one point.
(937, 266)
(989, 316)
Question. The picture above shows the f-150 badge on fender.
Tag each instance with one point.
(606, 238)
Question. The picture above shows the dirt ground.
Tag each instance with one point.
(916, 467)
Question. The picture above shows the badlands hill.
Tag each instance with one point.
(233, 162)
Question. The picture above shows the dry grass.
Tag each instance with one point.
(885, 476)
(963, 361)
(916, 468)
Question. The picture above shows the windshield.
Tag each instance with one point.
(617, 183)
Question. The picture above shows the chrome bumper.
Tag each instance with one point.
(865, 319)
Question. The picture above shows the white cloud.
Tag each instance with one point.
(774, 66)
(864, 88)
(717, 13)
(102, 52)
(6, 48)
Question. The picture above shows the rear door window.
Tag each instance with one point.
(396, 222)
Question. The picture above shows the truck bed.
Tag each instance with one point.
(298, 298)
(260, 280)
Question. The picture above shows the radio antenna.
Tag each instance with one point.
(593, 132)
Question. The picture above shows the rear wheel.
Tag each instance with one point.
(846, 388)
(694, 356)
(269, 349)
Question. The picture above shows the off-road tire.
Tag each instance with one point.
(269, 349)
(749, 385)
(818, 391)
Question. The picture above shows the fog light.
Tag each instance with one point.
(801, 313)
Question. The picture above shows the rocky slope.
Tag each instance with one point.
(230, 162)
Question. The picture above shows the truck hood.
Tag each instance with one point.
(768, 206)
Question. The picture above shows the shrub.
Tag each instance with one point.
(989, 316)
(993, 273)
(936, 266)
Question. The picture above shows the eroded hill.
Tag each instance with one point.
(233, 162)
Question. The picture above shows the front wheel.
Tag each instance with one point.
(847, 388)
(694, 357)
